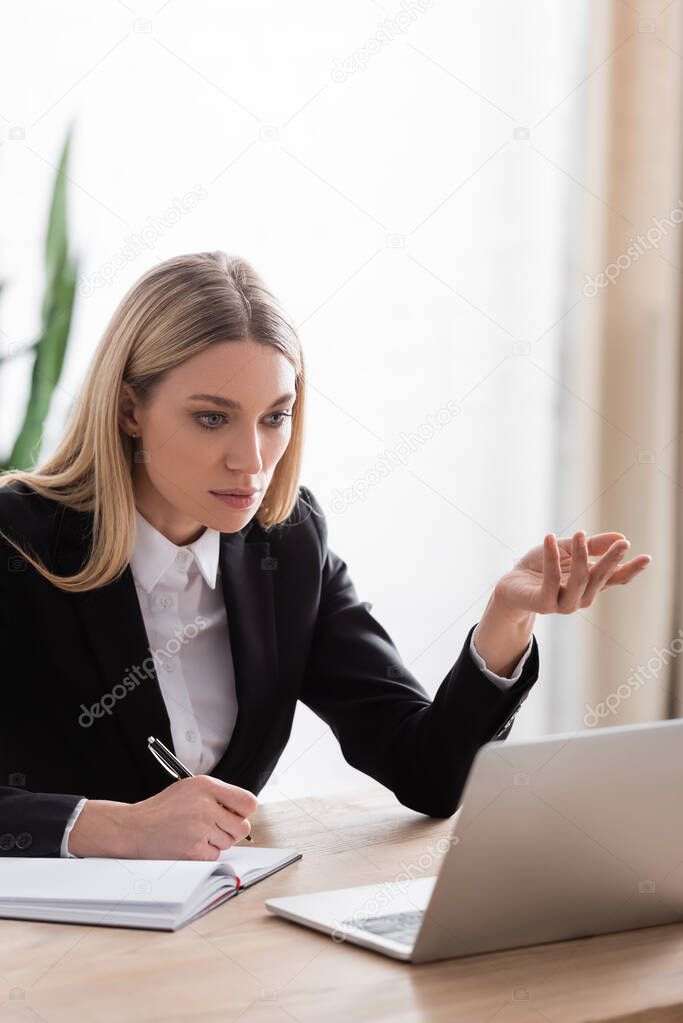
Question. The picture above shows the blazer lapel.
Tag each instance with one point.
(247, 581)
(114, 626)
(114, 630)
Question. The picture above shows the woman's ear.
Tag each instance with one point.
(128, 410)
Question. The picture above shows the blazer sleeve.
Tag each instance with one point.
(31, 823)
(383, 718)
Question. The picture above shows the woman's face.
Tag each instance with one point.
(221, 420)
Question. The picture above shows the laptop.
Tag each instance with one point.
(565, 836)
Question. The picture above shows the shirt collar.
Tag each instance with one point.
(154, 553)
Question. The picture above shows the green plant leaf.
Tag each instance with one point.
(57, 307)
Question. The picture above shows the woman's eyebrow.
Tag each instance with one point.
(229, 403)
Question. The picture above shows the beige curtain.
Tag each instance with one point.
(627, 365)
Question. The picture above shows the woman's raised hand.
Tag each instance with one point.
(558, 577)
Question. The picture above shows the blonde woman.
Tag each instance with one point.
(164, 573)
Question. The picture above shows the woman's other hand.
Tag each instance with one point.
(191, 819)
(556, 577)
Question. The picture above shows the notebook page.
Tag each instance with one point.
(63, 882)
(103, 881)
(251, 862)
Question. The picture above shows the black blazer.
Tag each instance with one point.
(298, 632)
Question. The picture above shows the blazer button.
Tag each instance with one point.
(24, 840)
(6, 841)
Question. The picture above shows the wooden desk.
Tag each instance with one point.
(240, 962)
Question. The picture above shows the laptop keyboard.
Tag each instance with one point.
(400, 927)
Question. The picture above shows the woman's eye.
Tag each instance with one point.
(284, 416)
(209, 415)
(202, 418)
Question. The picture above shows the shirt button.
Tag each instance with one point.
(166, 600)
(183, 558)
(168, 666)
(190, 735)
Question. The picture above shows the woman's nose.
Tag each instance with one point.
(245, 453)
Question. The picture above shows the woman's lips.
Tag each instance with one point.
(236, 500)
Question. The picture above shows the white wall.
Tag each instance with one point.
(413, 218)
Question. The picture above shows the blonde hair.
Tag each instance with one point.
(174, 311)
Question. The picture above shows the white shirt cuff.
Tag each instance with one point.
(64, 850)
(499, 680)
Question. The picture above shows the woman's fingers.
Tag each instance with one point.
(220, 839)
(598, 543)
(603, 569)
(626, 572)
(570, 594)
(552, 573)
(235, 825)
(583, 578)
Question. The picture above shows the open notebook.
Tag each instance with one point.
(159, 895)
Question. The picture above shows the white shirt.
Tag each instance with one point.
(186, 621)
